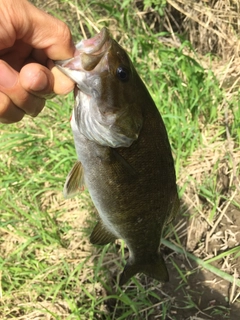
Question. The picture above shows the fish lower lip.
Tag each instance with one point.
(93, 45)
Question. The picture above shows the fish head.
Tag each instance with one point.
(109, 85)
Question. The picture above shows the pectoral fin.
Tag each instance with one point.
(154, 268)
(74, 181)
(124, 162)
(101, 235)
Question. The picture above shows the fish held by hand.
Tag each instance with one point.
(123, 154)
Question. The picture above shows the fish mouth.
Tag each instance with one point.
(87, 55)
(94, 44)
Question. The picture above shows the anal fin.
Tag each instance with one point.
(101, 235)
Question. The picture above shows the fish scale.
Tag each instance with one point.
(124, 155)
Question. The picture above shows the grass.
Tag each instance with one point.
(48, 269)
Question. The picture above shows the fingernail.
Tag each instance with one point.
(39, 81)
(8, 76)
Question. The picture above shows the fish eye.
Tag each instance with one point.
(123, 74)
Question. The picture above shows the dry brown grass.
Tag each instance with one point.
(211, 26)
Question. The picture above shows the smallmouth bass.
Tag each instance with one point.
(124, 155)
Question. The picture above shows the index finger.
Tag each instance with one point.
(20, 20)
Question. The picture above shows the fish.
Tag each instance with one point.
(124, 155)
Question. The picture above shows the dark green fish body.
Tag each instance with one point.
(124, 154)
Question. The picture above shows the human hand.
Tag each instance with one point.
(29, 40)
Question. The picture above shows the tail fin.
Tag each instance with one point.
(155, 269)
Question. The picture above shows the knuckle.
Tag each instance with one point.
(65, 32)
(5, 103)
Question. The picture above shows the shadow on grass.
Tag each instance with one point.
(191, 293)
